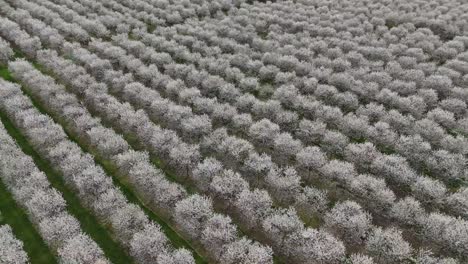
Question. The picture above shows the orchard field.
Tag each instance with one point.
(233, 132)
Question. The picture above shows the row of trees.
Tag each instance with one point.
(307, 129)
(406, 72)
(178, 11)
(93, 187)
(413, 38)
(45, 206)
(48, 35)
(346, 100)
(174, 151)
(351, 23)
(161, 109)
(457, 92)
(92, 26)
(12, 32)
(6, 53)
(153, 13)
(334, 115)
(140, 93)
(442, 17)
(150, 183)
(461, 192)
(66, 29)
(452, 143)
(338, 60)
(11, 249)
(113, 20)
(155, 99)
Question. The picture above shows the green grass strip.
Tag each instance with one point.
(88, 222)
(5, 74)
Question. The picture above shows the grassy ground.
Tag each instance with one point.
(88, 222)
(5, 74)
